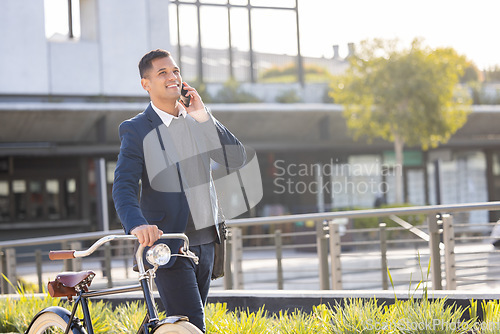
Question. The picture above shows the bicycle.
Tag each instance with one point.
(56, 319)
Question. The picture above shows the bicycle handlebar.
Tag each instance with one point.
(62, 254)
(71, 254)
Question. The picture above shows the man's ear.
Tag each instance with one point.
(145, 84)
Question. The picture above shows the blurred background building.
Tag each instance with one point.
(63, 96)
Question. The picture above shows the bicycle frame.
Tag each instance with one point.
(145, 278)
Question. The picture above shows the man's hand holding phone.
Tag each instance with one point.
(193, 103)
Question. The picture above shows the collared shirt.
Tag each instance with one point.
(167, 118)
(195, 177)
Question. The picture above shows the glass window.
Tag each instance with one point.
(35, 203)
(110, 171)
(58, 25)
(4, 201)
(496, 165)
(54, 210)
(19, 190)
(70, 200)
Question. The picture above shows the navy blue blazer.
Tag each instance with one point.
(137, 202)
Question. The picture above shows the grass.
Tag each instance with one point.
(353, 315)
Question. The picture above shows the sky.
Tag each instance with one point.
(470, 27)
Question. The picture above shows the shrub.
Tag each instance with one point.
(289, 96)
(373, 222)
(289, 73)
(353, 315)
(232, 93)
(17, 313)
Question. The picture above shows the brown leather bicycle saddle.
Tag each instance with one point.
(68, 284)
(72, 279)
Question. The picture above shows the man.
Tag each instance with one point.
(163, 181)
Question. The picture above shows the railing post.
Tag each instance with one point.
(449, 252)
(279, 256)
(335, 251)
(383, 255)
(77, 263)
(3, 283)
(10, 268)
(67, 264)
(124, 247)
(237, 257)
(322, 249)
(228, 274)
(435, 252)
(107, 264)
(38, 259)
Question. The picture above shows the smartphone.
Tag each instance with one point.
(186, 100)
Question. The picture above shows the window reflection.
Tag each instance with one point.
(52, 200)
(35, 203)
(4, 201)
(70, 199)
(19, 190)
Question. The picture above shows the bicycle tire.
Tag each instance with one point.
(181, 327)
(48, 322)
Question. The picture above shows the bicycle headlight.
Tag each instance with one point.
(158, 255)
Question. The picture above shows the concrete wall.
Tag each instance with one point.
(115, 35)
(23, 48)
(74, 68)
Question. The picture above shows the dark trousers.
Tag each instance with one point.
(184, 287)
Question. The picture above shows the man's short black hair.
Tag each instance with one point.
(145, 63)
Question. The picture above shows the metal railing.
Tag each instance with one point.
(333, 262)
(329, 245)
(9, 258)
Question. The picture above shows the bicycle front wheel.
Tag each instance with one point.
(46, 323)
(181, 327)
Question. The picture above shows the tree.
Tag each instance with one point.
(407, 96)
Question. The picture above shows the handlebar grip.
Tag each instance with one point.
(62, 254)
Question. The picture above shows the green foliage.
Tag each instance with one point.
(232, 93)
(410, 95)
(471, 74)
(201, 88)
(296, 322)
(27, 287)
(101, 313)
(126, 318)
(289, 73)
(357, 316)
(17, 312)
(216, 317)
(373, 222)
(289, 96)
(353, 315)
(491, 316)
(220, 320)
(428, 317)
(131, 317)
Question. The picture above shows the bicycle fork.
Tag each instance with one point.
(151, 318)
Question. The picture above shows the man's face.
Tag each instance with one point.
(163, 80)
